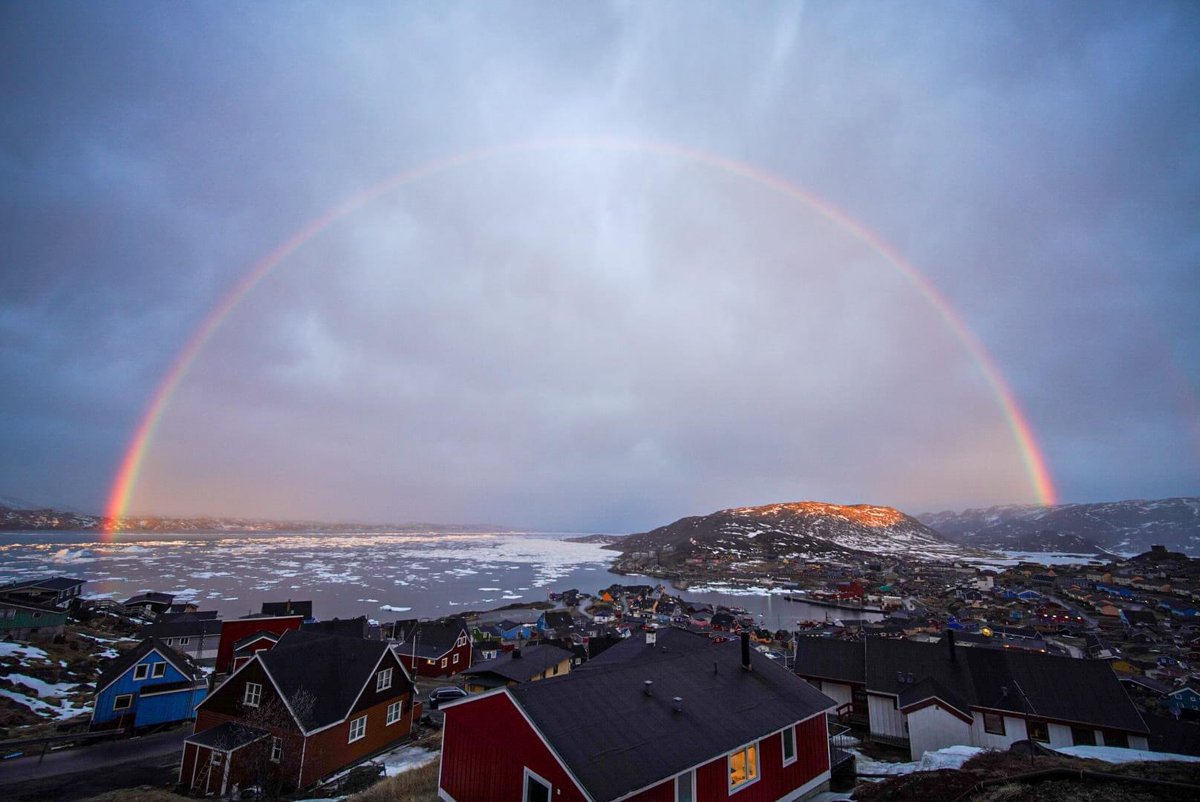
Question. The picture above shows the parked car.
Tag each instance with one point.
(447, 693)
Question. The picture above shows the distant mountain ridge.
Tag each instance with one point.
(806, 530)
(1117, 526)
(36, 520)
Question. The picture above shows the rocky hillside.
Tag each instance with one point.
(801, 530)
(1120, 526)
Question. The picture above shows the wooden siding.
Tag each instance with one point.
(103, 714)
(775, 780)
(330, 750)
(400, 687)
(434, 668)
(932, 727)
(486, 746)
(234, 631)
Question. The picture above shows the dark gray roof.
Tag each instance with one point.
(616, 739)
(288, 607)
(227, 736)
(321, 675)
(668, 641)
(533, 660)
(830, 658)
(432, 638)
(344, 627)
(184, 628)
(124, 661)
(151, 597)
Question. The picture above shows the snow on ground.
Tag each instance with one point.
(952, 757)
(1115, 754)
(405, 759)
(20, 650)
(67, 710)
(44, 690)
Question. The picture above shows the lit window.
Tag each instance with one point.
(358, 729)
(394, 712)
(140, 671)
(158, 670)
(743, 767)
(1038, 731)
(789, 746)
(276, 749)
(383, 680)
(536, 788)
(993, 723)
(123, 702)
(252, 695)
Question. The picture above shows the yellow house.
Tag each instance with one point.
(519, 666)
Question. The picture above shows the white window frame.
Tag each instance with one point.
(276, 748)
(691, 797)
(395, 712)
(141, 671)
(128, 697)
(184, 641)
(358, 725)
(252, 694)
(383, 680)
(787, 761)
(456, 656)
(531, 775)
(757, 747)
(158, 670)
(444, 662)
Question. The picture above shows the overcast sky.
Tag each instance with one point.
(590, 338)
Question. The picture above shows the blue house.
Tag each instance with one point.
(148, 685)
(1186, 698)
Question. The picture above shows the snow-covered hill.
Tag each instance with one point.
(799, 530)
(1117, 526)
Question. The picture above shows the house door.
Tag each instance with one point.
(216, 774)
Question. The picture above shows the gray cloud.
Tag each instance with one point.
(578, 337)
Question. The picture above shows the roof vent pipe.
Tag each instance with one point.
(648, 687)
(678, 702)
(746, 650)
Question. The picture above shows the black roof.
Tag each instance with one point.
(288, 607)
(343, 627)
(194, 615)
(124, 661)
(616, 739)
(227, 736)
(831, 659)
(152, 597)
(533, 660)
(558, 618)
(329, 670)
(432, 638)
(184, 628)
(667, 642)
(1061, 688)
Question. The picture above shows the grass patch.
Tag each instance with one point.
(418, 785)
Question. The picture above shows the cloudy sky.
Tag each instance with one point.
(597, 328)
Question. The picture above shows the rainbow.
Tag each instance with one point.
(1018, 422)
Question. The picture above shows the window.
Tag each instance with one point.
(395, 711)
(1038, 731)
(993, 723)
(685, 785)
(1083, 736)
(276, 749)
(1113, 738)
(536, 789)
(462, 641)
(789, 746)
(743, 767)
(123, 702)
(383, 680)
(444, 663)
(158, 670)
(252, 695)
(456, 656)
(140, 671)
(358, 729)
(184, 641)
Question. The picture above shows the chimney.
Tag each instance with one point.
(651, 637)
(678, 702)
(746, 650)
(950, 643)
(516, 653)
(648, 687)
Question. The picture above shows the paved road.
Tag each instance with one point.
(101, 756)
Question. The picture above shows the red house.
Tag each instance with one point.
(234, 631)
(680, 720)
(433, 648)
(311, 706)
